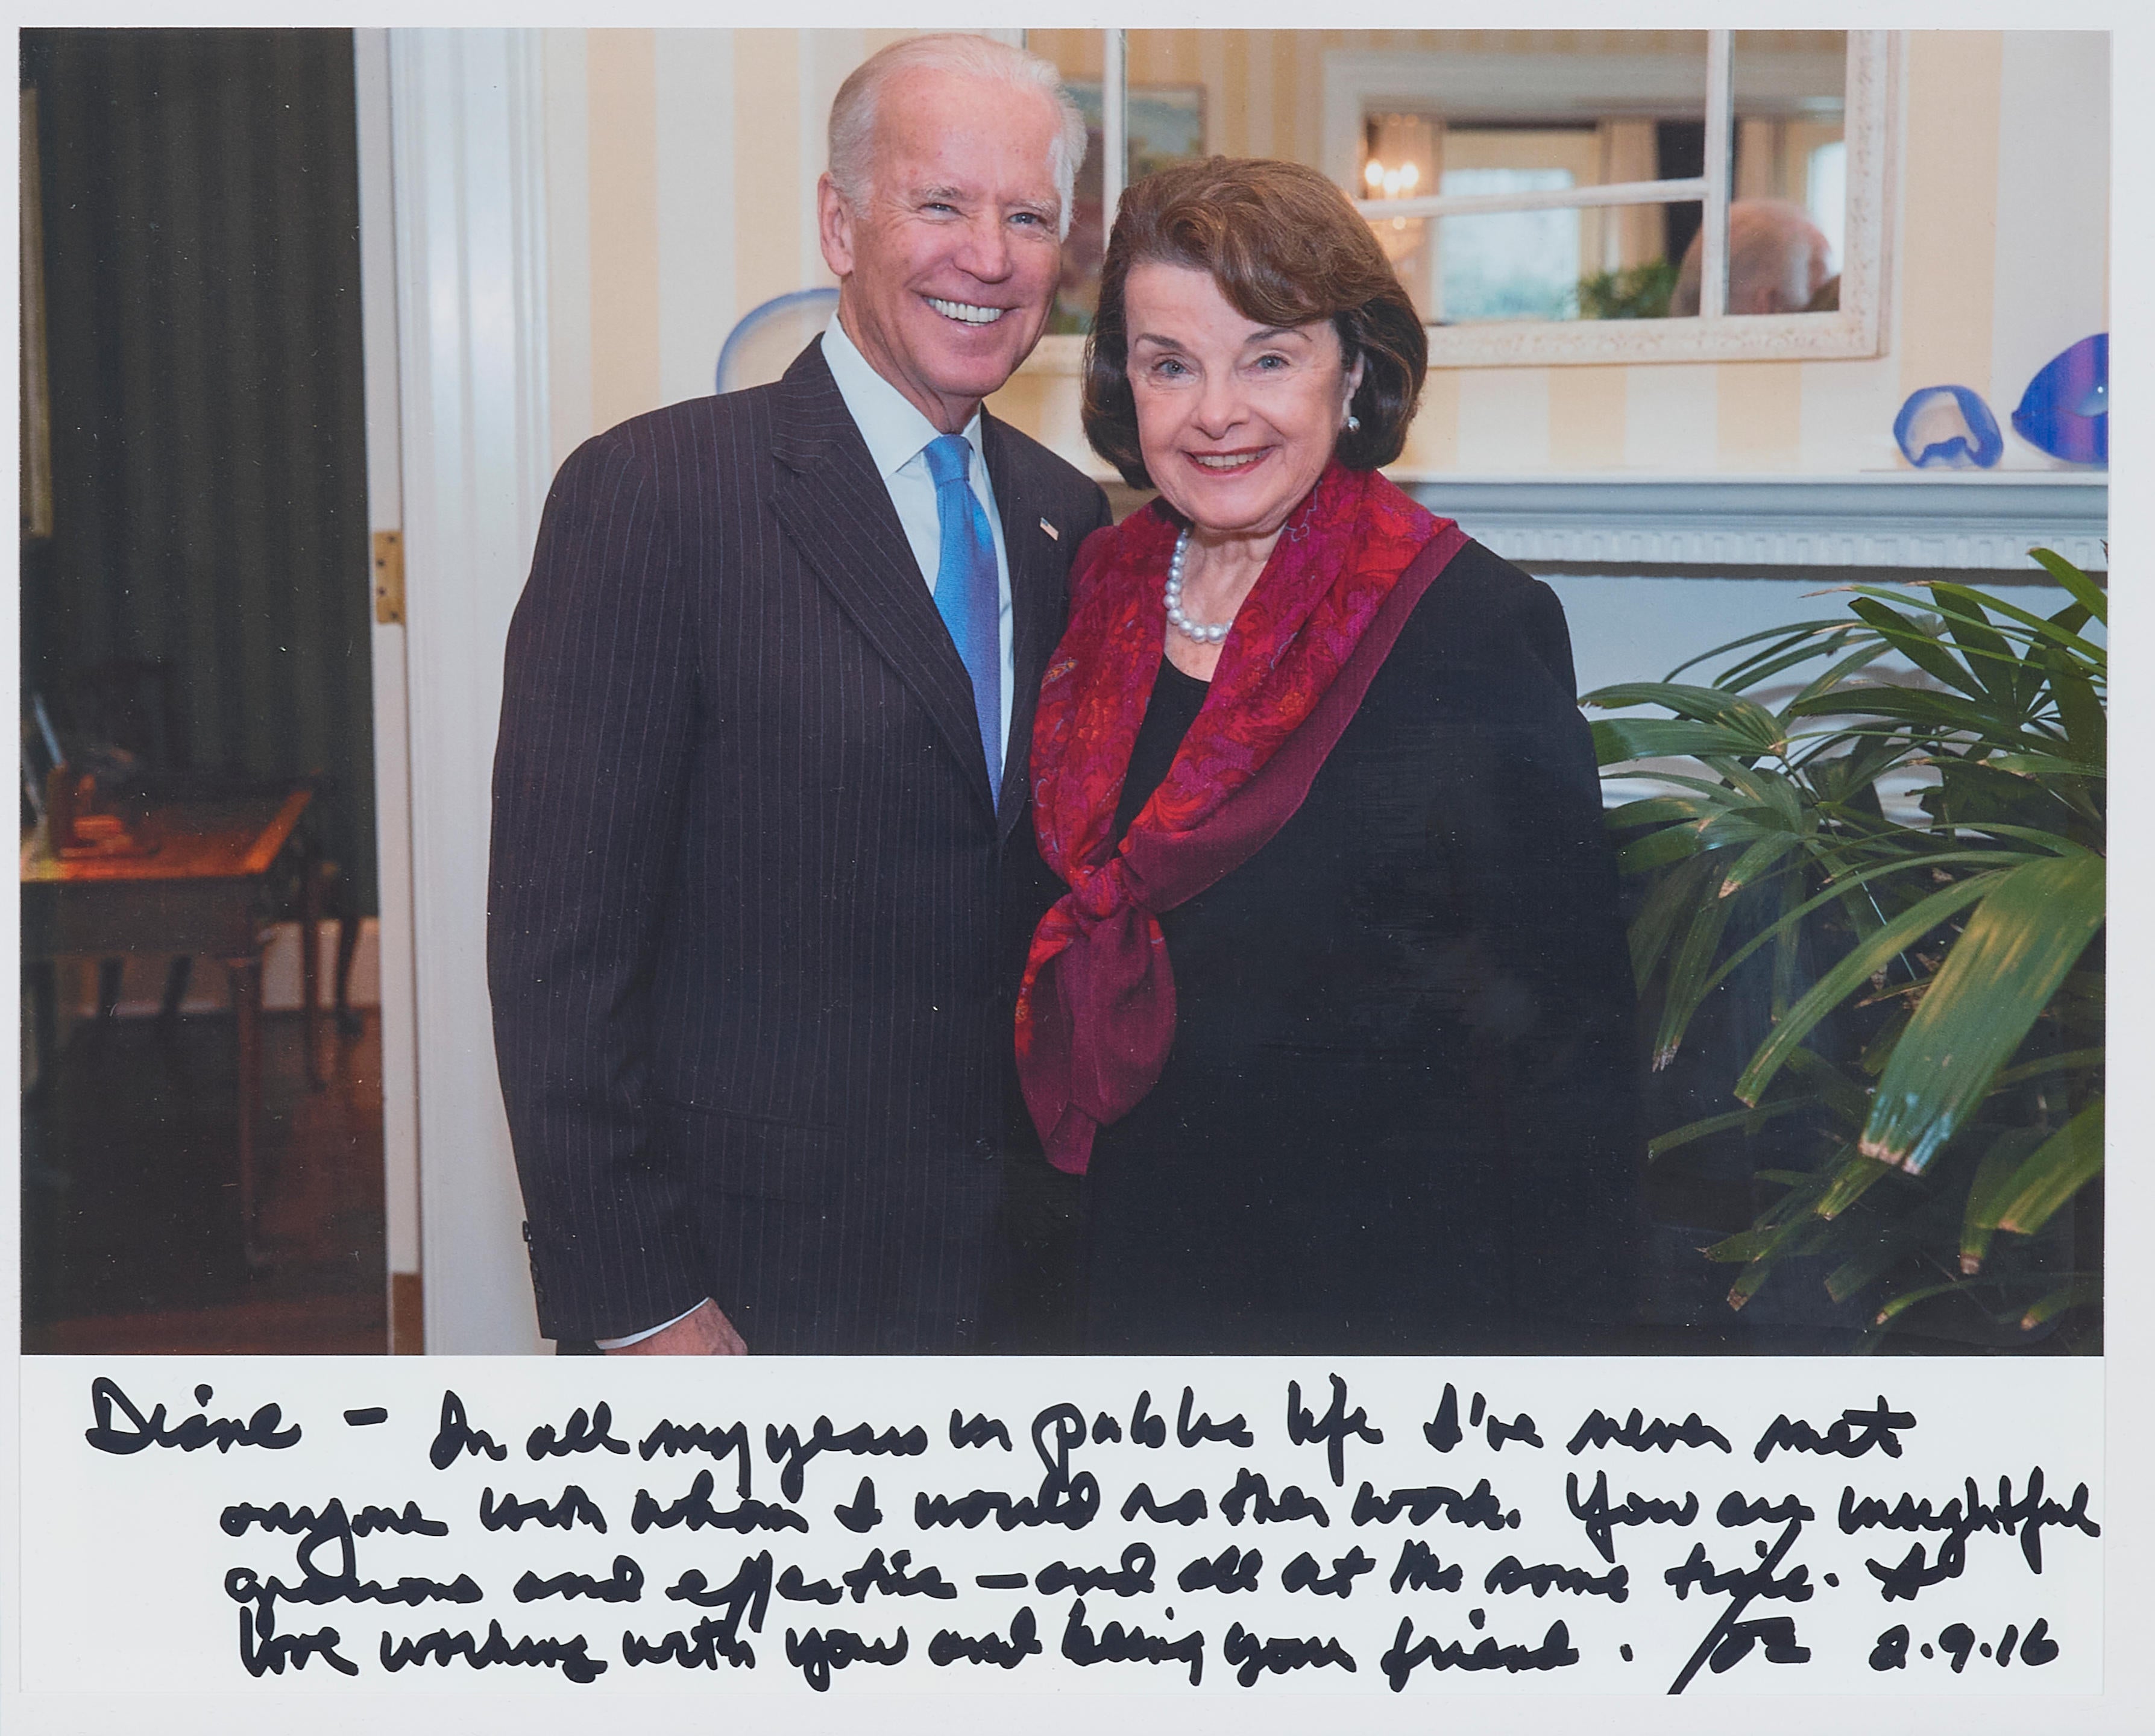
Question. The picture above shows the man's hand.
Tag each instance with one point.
(706, 1332)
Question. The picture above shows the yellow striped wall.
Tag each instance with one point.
(681, 170)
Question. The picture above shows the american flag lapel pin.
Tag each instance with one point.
(1054, 535)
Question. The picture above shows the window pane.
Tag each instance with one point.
(1415, 108)
(1788, 214)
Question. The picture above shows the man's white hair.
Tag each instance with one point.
(853, 113)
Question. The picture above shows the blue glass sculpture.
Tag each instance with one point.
(1948, 427)
(2065, 411)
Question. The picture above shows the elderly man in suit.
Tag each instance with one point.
(753, 940)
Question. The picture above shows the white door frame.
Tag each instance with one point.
(393, 783)
(466, 147)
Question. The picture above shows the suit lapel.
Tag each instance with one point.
(1037, 565)
(838, 513)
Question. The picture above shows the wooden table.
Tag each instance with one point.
(203, 888)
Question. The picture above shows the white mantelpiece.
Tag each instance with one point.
(1979, 521)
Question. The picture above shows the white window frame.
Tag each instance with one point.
(1354, 83)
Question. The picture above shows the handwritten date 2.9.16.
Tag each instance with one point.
(1958, 1641)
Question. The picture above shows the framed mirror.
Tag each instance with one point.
(1548, 197)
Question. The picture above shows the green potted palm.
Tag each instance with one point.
(1889, 825)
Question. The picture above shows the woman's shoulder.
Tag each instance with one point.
(1483, 609)
(1119, 554)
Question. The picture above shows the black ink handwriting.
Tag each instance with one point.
(583, 1433)
(441, 1647)
(978, 1432)
(1116, 1644)
(1635, 1432)
(1131, 1579)
(674, 1438)
(1301, 1575)
(695, 1511)
(624, 1585)
(573, 1507)
(1232, 1570)
(1418, 1570)
(1480, 1507)
(1730, 1640)
(1601, 1519)
(1187, 1508)
(1333, 1429)
(189, 1436)
(949, 1647)
(1853, 1436)
(1511, 1574)
(1251, 1494)
(455, 1436)
(786, 1444)
(1406, 1655)
(817, 1653)
(1252, 1656)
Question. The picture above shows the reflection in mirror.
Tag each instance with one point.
(1788, 211)
(1531, 113)
(1165, 108)
(1584, 154)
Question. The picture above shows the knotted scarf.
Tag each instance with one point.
(1096, 1010)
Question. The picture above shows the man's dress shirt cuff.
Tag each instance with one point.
(637, 1338)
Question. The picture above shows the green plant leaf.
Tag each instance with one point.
(1672, 843)
(1947, 714)
(2080, 1293)
(1853, 1176)
(1908, 1298)
(1990, 658)
(1855, 968)
(1658, 811)
(1988, 1193)
(1701, 705)
(2029, 931)
(1796, 632)
(1620, 739)
(1920, 649)
(2063, 1165)
(2089, 595)
(1750, 1121)
(2074, 1061)
(2051, 631)
(2042, 765)
(2079, 712)
(1694, 957)
(1676, 892)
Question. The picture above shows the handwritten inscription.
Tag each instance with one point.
(1135, 1543)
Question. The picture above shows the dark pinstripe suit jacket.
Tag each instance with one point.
(751, 935)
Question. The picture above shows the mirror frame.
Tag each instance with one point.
(1870, 126)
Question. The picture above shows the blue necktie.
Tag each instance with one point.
(966, 591)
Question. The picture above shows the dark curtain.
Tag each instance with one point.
(201, 199)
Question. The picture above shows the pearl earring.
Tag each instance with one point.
(1353, 423)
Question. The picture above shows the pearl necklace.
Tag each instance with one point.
(1203, 633)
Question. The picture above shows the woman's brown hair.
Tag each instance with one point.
(1285, 247)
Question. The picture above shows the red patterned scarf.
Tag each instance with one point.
(1096, 1013)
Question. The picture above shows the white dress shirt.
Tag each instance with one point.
(897, 437)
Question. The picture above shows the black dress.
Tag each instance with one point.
(1400, 1111)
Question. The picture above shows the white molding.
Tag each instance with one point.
(468, 145)
(1980, 522)
(392, 779)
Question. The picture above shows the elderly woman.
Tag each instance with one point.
(1334, 1016)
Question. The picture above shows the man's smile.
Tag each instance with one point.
(966, 313)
